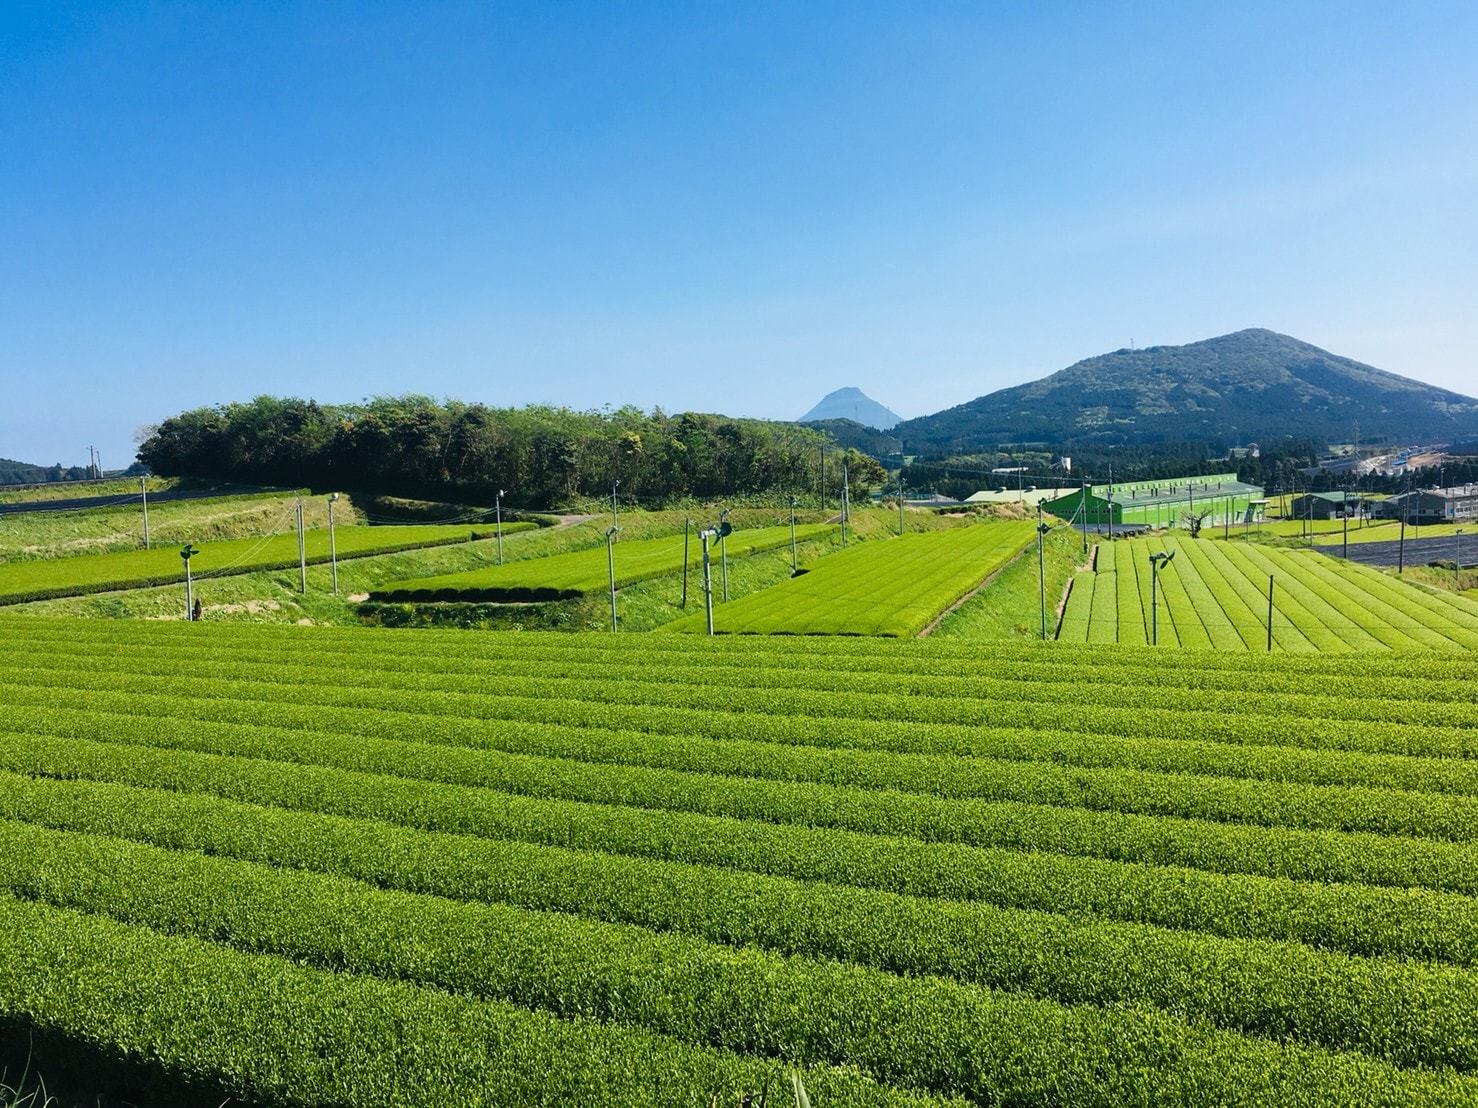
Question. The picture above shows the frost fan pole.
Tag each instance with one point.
(1270, 613)
(186, 553)
(144, 488)
(611, 568)
(1042, 569)
(302, 552)
(687, 527)
(723, 548)
(846, 503)
(333, 550)
(707, 579)
(1158, 562)
(792, 537)
(1083, 507)
(498, 509)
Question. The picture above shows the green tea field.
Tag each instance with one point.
(331, 866)
(578, 572)
(887, 587)
(1214, 596)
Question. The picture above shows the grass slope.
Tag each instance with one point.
(876, 588)
(213, 519)
(338, 866)
(1214, 597)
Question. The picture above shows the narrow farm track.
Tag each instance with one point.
(568, 867)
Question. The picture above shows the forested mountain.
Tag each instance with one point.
(869, 440)
(543, 456)
(24, 473)
(855, 405)
(1249, 386)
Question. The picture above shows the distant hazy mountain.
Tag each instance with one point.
(1243, 387)
(853, 404)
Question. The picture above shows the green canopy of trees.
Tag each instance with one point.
(419, 447)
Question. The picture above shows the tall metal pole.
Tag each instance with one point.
(186, 553)
(302, 552)
(846, 503)
(707, 580)
(1345, 511)
(333, 550)
(723, 551)
(900, 500)
(1401, 547)
(793, 564)
(614, 486)
(611, 568)
(1154, 602)
(1083, 505)
(144, 488)
(686, 528)
(1111, 504)
(1270, 613)
(498, 508)
(1042, 570)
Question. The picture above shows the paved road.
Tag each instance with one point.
(1419, 552)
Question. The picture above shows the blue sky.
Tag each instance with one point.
(725, 207)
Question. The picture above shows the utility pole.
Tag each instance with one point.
(498, 509)
(723, 548)
(687, 526)
(333, 550)
(793, 564)
(144, 488)
(302, 551)
(186, 553)
(611, 568)
(1042, 569)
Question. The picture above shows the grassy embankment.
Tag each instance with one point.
(37, 535)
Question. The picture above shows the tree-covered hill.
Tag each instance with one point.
(1249, 386)
(542, 456)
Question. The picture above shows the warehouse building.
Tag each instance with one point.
(1326, 505)
(1160, 503)
(1458, 504)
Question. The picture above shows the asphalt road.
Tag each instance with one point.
(1419, 552)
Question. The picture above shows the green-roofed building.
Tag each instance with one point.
(1326, 505)
(1160, 503)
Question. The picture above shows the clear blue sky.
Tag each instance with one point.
(726, 207)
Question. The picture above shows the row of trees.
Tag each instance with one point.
(415, 446)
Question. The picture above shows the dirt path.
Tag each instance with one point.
(940, 618)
